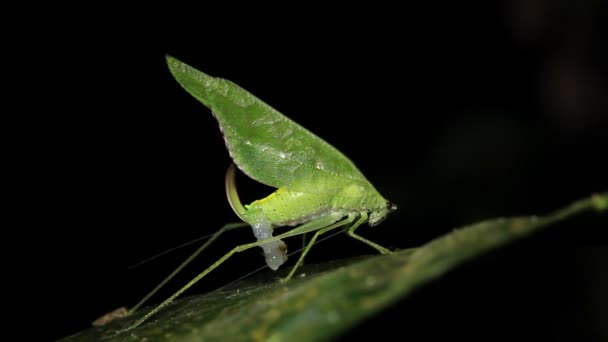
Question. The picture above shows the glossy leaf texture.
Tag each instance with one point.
(332, 298)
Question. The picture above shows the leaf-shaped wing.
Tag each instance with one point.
(264, 144)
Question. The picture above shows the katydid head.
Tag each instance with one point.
(378, 214)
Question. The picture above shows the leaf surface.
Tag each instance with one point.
(332, 298)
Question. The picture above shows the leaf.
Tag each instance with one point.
(336, 297)
(265, 144)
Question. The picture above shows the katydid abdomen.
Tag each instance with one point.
(285, 207)
(281, 208)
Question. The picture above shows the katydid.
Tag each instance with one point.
(318, 188)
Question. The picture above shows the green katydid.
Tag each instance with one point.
(318, 188)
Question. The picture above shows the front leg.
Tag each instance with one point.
(351, 233)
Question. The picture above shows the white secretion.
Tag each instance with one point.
(275, 252)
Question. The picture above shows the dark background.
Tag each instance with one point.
(456, 113)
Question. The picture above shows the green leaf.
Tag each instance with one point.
(331, 298)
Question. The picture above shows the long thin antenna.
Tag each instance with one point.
(185, 244)
(225, 228)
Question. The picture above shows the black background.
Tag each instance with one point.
(456, 113)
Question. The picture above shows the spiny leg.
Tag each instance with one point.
(322, 230)
(296, 231)
(351, 233)
(214, 237)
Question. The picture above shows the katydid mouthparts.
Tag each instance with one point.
(319, 189)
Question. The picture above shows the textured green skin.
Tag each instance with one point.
(313, 177)
(285, 207)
